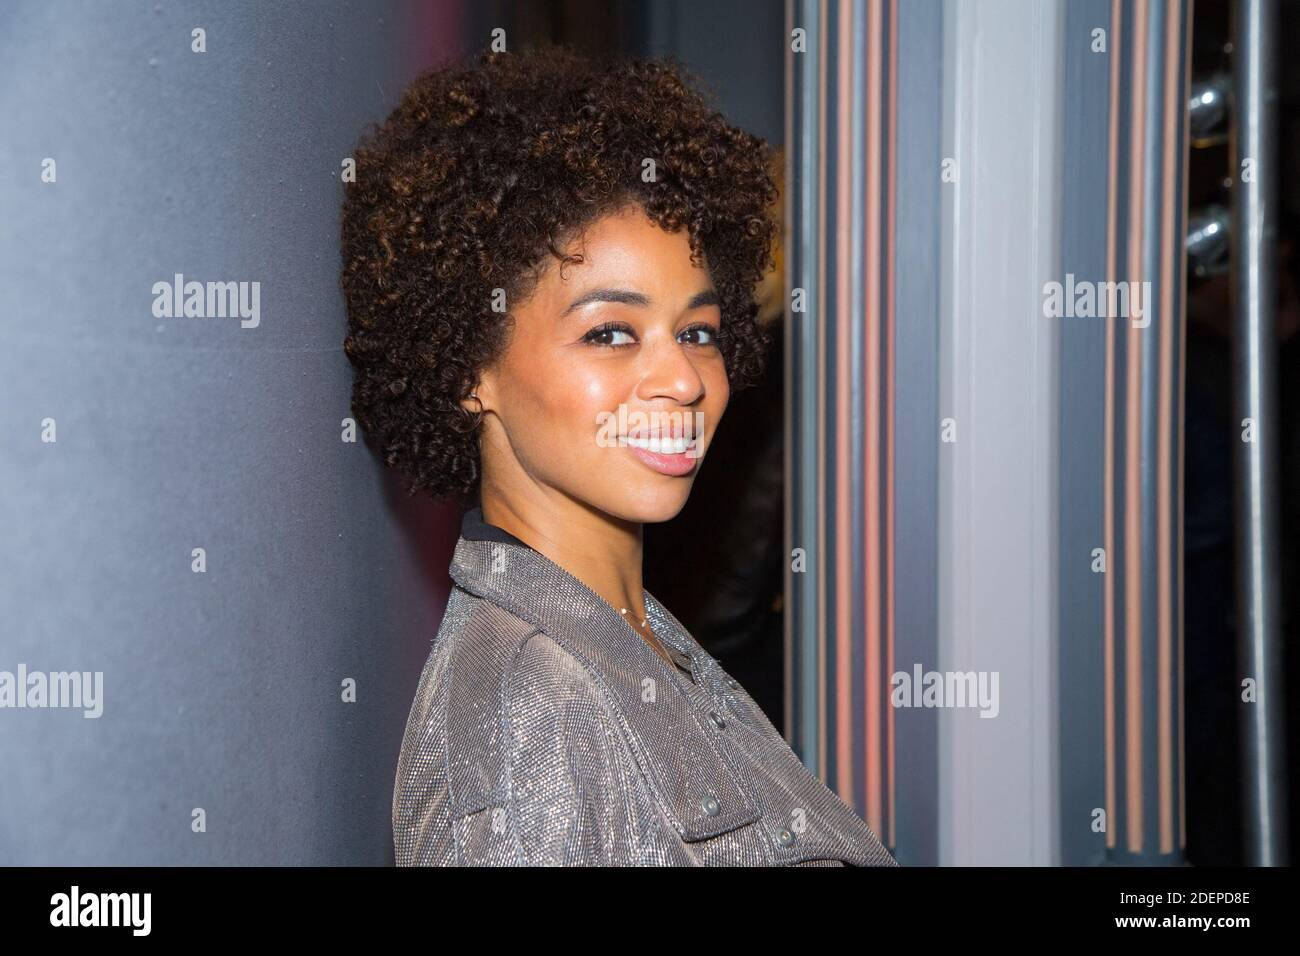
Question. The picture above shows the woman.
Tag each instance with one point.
(549, 266)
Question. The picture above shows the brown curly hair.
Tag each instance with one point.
(487, 165)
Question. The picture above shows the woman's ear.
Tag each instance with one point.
(480, 398)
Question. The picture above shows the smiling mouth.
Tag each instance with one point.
(665, 454)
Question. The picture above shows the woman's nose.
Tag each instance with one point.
(668, 372)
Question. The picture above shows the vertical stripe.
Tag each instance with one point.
(873, 697)
(809, 229)
(856, 68)
(1133, 477)
(1182, 390)
(793, 262)
(891, 153)
(1146, 222)
(1164, 411)
(1108, 426)
(794, 265)
(819, 570)
(842, 704)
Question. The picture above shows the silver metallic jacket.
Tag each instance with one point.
(546, 731)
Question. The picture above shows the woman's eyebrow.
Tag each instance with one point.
(707, 297)
(628, 297)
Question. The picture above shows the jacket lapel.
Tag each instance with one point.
(697, 789)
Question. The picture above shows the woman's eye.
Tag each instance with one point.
(609, 335)
(701, 335)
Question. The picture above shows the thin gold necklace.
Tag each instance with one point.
(647, 632)
(669, 655)
(624, 612)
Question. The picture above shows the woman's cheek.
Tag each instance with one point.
(595, 394)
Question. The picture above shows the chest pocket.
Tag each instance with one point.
(701, 792)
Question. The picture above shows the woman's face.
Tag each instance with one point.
(612, 383)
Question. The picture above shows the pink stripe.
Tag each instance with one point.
(890, 318)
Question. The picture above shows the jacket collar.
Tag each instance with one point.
(680, 645)
(699, 791)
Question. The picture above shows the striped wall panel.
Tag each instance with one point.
(1121, 657)
(865, 329)
(1142, 452)
(842, 448)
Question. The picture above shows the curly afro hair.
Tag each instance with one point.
(487, 166)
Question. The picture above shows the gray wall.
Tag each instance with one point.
(735, 46)
(222, 689)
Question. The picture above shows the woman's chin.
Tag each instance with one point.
(650, 502)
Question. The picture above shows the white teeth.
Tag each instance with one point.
(660, 445)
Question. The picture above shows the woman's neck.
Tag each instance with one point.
(602, 552)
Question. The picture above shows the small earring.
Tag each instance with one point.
(470, 416)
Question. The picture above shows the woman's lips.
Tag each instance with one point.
(666, 461)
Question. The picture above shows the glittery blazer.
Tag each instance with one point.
(546, 731)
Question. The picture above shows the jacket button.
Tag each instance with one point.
(711, 806)
(717, 720)
(785, 837)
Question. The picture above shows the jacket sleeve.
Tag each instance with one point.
(569, 776)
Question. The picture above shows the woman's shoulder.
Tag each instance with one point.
(494, 659)
(547, 681)
(491, 680)
(471, 619)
